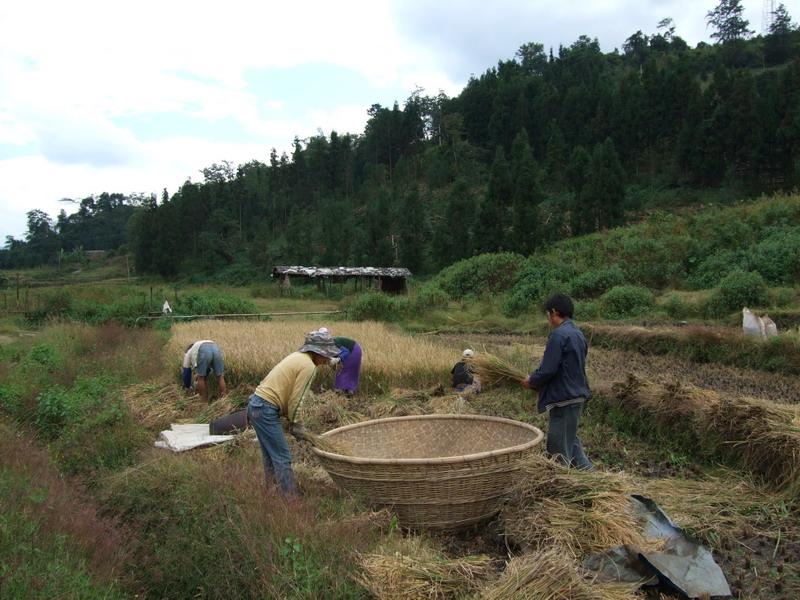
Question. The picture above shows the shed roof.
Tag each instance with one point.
(342, 271)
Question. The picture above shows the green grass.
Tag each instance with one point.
(52, 544)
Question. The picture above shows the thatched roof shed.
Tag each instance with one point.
(385, 279)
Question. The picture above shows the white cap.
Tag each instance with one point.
(324, 330)
(467, 353)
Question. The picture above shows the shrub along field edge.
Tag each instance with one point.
(702, 345)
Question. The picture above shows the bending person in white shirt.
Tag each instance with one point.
(202, 357)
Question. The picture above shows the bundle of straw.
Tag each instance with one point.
(158, 404)
(713, 509)
(582, 511)
(219, 408)
(761, 436)
(492, 370)
(412, 569)
(552, 575)
(405, 395)
(328, 411)
(450, 405)
(394, 408)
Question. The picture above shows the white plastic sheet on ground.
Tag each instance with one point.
(180, 438)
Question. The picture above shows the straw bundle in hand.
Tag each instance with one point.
(492, 370)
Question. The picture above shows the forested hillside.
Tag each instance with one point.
(550, 144)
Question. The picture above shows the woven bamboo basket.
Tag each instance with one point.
(433, 471)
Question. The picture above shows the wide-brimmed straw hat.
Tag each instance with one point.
(320, 343)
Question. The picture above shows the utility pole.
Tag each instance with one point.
(767, 16)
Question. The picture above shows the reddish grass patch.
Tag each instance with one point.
(60, 506)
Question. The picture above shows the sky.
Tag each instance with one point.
(140, 96)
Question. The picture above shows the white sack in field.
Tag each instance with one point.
(186, 437)
(770, 329)
(752, 324)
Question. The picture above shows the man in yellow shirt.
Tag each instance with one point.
(280, 394)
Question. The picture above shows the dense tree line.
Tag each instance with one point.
(540, 147)
(99, 224)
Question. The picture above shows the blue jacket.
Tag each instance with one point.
(562, 373)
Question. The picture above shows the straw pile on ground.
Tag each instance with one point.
(452, 405)
(411, 568)
(552, 575)
(156, 405)
(328, 410)
(219, 408)
(392, 407)
(763, 437)
(716, 510)
(583, 512)
(492, 370)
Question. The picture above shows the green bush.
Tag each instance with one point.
(586, 309)
(480, 275)
(777, 257)
(592, 284)
(429, 296)
(54, 407)
(737, 290)
(649, 262)
(375, 306)
(626, 301)
(782, 297)
(677, 308)
(715, 267)
(538, 279)
(212, 303)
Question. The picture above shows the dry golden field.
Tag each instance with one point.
(391, 358)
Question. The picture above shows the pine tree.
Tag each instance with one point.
(577, 171)
(526, 196)
(556, 156)
(490, 228)
(603, 195)
(727, 19)
(412, 232)
(778, 43)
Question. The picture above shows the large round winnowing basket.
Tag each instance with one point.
(433, 471)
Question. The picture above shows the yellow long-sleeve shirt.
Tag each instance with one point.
(287, 382)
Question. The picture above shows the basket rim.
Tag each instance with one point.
(438, 460)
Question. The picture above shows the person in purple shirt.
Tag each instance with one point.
(561, 383)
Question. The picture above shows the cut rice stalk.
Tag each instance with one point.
(552, 575)
(410, 568)
(582, 511)
(492, 370)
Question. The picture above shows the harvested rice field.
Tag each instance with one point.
(737, 494)
(716, 448)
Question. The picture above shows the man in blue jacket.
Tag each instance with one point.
(561, 383)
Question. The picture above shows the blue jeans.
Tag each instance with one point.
(265, 419)
(209, 357)
(563, 442)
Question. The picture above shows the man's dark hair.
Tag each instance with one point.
(562, 304)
